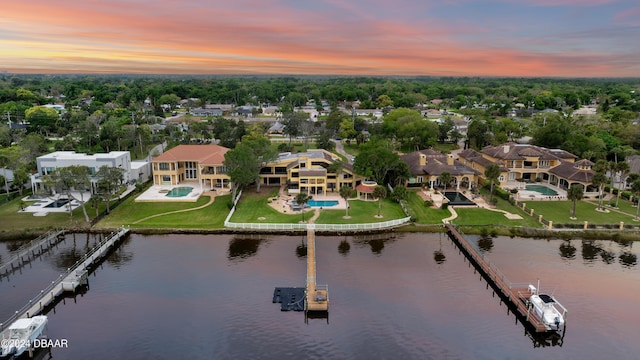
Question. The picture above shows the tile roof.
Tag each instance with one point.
(209, 154)
(514, 151)
(570, 171)
(436, 164)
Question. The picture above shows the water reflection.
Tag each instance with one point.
(375, 241)
(485, 244)
(567, 250)
(67, 258)
(244, 246)
(592, 249)
(301, 249)
(438, 255)
(122, 255)
(628, 259)
(344, 247)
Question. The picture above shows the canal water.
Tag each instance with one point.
(404, 296)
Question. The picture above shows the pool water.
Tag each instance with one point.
(457, 198)
(541, 189)
(58, 203)
(179, 191)
(323, 203)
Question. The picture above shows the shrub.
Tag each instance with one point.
(444, 206)
(428, 203)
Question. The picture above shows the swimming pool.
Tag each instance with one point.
(457, 198)
(58, 203)
(541, 189)
(179, 191)
(322, 203)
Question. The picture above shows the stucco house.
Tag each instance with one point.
(195, 163)
(522, 163)
(426, 166)
(309, 172)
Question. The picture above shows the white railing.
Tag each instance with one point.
(330, 227)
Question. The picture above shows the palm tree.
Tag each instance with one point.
(492, 172)
(623, 169)
(302, 199)
(599, 179)
(445, 178)
(575, 193)
(379, 192)
(345, 193)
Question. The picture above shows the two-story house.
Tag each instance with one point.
(202, 164)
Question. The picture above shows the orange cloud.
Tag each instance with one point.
(342, 37)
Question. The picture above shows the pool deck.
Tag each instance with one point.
(38, 206)
(158, 193)
(283, 202)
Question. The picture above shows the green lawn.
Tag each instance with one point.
(362, 212)
(558, 212)
(12, 220)
(254, 208)
(426, 214)
(130, 211)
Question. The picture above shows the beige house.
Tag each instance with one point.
(192, 163)
(311, 172)
(522, 163)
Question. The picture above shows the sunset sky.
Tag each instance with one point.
(568, 38)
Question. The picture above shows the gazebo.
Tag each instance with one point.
(365, 190)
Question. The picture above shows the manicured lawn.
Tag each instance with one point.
(210, 217)
(477, 216)
(254, 208)
(558, 212)
(426, 214)
(130, 211)
(362, 212)
(12, 220)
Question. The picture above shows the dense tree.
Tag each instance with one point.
(242, 167)
(41, 119)
(599, 180)
(376, 160)
(69, 178)
(399, 193)
(445, 178)
(109, 181)
(293, 123)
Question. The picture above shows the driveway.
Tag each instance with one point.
(340, 150)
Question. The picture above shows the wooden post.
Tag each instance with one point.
(531, 212)
(550, 225)
(586, 224)
(621, 225)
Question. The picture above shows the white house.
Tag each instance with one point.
(50, 162)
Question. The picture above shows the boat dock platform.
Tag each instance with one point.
(75, 276)
(29, 252)
(514, 295)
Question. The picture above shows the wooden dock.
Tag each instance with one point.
(69, 281)
(316, 296)
(514, 295)
(29, 252)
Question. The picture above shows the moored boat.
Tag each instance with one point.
(547, 309)
(19, 336)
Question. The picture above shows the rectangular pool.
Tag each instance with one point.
(322, 203)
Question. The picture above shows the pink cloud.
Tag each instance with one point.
(177, 37)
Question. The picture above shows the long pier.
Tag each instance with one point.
(30, 251)
(516, 295)
(74, 277)
(316, 296)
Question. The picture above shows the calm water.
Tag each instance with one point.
(408, 297)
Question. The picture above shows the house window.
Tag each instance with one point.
(419, 180)
(190, 170)
(512, 176)
(222, 169)
(166, 179)
(512, 163)
(163, 166)
(501, 178)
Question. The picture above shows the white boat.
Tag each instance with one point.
(19, 336)
(547, 309)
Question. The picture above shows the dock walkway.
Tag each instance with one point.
(317, 296)
(28, 252)
(70, 280)
(516, 295)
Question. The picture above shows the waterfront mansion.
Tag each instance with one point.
(203, 164)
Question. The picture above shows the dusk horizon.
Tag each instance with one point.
(460, 38)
